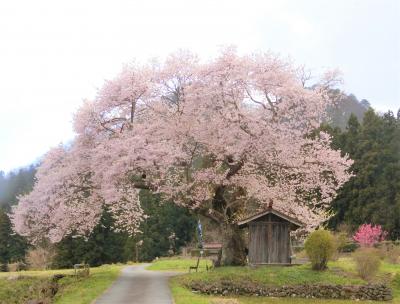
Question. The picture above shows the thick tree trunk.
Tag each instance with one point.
(233, 251)
(233, 244)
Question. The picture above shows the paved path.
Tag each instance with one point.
(136, 285)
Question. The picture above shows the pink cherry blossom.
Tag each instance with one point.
(217, 137)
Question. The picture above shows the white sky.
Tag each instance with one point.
(53, 54)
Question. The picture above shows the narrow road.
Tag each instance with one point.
(136, 285)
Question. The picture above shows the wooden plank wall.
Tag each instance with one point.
(269, 242)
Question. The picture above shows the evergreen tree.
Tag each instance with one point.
(373, 194)
(103, 246)
(168, 227)
(12, 246)
(5, 232)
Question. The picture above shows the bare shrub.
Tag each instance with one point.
(341, 240)
(12, 267)
(367, 262)
(3, 267)
(345, 229)
(40, 258)
(393, 255)
(18, 266)
(390, 252)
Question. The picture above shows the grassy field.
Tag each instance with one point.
(71, 290)
(348, 265)
(35, 273)
(340, 272)
(273, 275)
(84, 291)
(177, 264)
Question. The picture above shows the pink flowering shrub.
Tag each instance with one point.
(367, 235)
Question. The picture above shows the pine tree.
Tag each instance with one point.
(373, 194)
(164, 220)
(12, 246)
(103, 246)
(5, 232)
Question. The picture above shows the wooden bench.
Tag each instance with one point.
(195, 267)
(211, 251)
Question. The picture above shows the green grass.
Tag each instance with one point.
(36, 273)
(18, 291)
(71, 290)
(387, 272)
(348, 265)
(178, 264)
(267, 275)
(84, 291)
(298, 301)
(183, 295)
(274, 275)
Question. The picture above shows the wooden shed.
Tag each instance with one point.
(269, 237)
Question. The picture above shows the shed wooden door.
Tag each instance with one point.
(278, 245)
(258, 246)
(269, 243)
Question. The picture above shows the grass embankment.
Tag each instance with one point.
(84, 291)
(388, 273)
(340, 272)
(70, 289)
(183, 296)
(272, 275)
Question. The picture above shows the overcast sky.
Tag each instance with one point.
(53, 54)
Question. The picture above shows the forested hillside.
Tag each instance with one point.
(339, 114)
(15, 183)
(373, 194)
(12, 246)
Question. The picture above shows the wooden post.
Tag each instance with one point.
(136, 253)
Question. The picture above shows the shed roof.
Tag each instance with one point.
(270, 210)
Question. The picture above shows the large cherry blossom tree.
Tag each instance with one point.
(215, 137)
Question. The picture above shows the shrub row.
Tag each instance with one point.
(378, 292)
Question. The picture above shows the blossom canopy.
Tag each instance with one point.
(218, 137)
